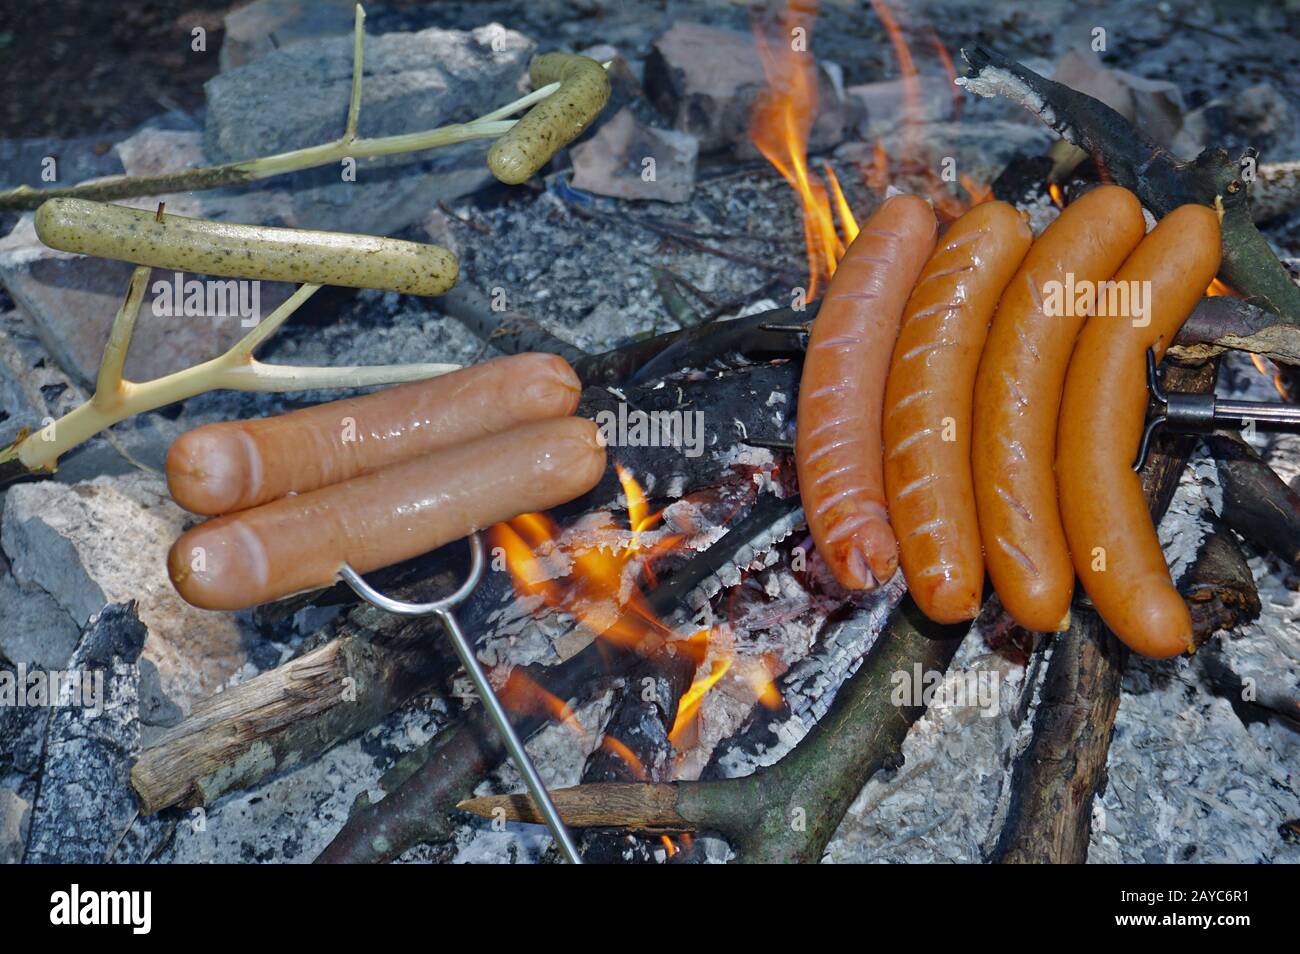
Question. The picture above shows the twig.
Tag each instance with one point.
(1257, 503)
(424, 788)
(488, 126)
(116, 399)
(1218, 587)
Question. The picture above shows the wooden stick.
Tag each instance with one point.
(296, 712)
(1129, 158)
(1257, 503)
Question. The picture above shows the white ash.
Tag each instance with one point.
(994, 81)
(822, 662)
(757, 554)
(1186, 525)
(292, 817)
(940, 805)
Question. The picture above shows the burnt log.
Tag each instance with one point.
(1257, 503)
(787, 812)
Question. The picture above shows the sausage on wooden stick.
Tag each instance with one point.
(300, 543)
(234, 465)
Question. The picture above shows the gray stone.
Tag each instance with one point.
(706, 79)
(267, 25)
(85, 811)
(613, 162)
(106, 540)
(884, 104)
(15, 815)
(22, 161)
(34, 629)
(298, 96)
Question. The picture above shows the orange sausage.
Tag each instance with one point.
(299, 543)
(837, 443)
(219, 468)
(1017, 396)
(1107, 522)
(927, 422)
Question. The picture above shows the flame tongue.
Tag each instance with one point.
(782, 121)
(598, 586)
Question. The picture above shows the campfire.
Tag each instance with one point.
(695, 669)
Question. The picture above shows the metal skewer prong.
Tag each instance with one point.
(443, 610)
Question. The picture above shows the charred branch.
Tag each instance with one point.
(1219, 588)
(422, 791)
(1128, 157)
(1257, 503)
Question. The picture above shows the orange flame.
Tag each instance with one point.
(521, 694)
(783, 117)
(597, 588)
(779, 127)
(689, 706)
(619, 749)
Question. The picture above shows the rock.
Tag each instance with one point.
(884, 104)
(1259, 116)
(981, 150)
(85, 802)
(73, 298)
(106, 540)
(1154, 106)
(705, 79)
(23, 161)
(15, 814)
(617, 161)
(267, 25)
(298, 96)
(34, 629)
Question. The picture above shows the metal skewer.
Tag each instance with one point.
(443, 610)
(1201, 413)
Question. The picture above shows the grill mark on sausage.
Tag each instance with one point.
(1019, 555)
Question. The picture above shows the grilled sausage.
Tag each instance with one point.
(299, 543)
(837, 445)
(1017, 397)
(927, 419)
(1107, 523)
(234, 465)
(245, 251)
